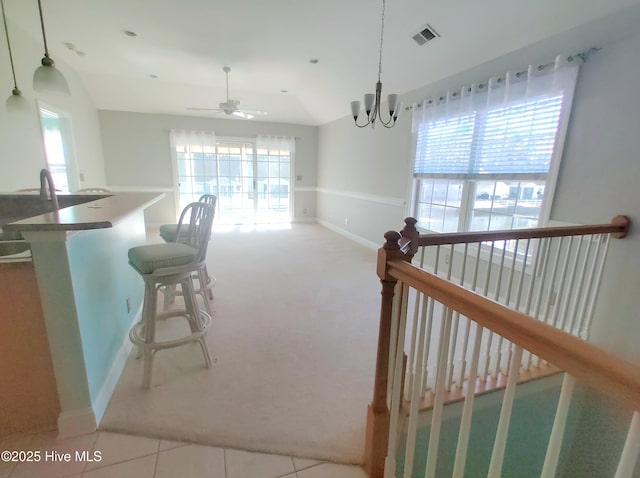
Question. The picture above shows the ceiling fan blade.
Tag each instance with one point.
(242, 114)
(195, 108)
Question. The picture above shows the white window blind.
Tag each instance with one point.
(501, 141)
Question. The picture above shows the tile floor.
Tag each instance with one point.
(125, 456)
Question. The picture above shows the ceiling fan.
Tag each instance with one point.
(231, 107)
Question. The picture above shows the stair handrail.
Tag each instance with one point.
(585, 361)
(411, 238)
(394, 258)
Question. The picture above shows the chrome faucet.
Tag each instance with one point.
(46, 180)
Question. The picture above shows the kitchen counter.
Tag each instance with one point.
(89, 294)
(103, 212)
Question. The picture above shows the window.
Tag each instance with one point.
(486, 158)
(58, 145)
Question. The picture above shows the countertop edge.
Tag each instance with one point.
(104, 212)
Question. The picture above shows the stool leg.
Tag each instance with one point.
(149, 321)
(205, 351)
(169, 294)
(193, 311)
(208, 279)
(191, 304)
(203, 280)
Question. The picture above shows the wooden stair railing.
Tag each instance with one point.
(564, 351)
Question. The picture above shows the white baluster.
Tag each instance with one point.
(500, 443)
(420, 298)
(416, 391)
(561, 284)
(467, 411)
(436, 415)
(507, 301)
(393, 336)
(425, 375)
(486, 294)
(456, 323)
(631, 449)
(541, 284)
(594, 292)
(580, 297)
(396, 395)
(550, 289)
(557, 432)
(467, 326)
(573, 275)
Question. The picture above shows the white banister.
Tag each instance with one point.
(557, 432)
(631, 449)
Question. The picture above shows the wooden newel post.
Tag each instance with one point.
(378, 413)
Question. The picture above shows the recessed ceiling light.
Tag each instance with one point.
(130, 33)
(313, 60)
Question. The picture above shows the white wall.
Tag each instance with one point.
(137, 154)
(21, 147)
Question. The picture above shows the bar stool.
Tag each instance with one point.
(173, 264)
(168, 232)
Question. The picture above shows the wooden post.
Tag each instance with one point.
(377, 436)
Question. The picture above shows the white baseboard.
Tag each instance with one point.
(349, 235)
(76, 422)
(108, 387)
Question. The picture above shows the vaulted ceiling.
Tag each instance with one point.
(175, 61)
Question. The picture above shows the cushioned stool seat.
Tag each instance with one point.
(146, 259)
(168, 232)
(168, 265)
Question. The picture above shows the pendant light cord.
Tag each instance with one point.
(6, 31)
(381, 38)
(44, 37)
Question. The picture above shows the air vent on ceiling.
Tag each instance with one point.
(424, 35)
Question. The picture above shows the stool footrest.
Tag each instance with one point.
(136, 334)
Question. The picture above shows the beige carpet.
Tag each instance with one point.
(293, 340)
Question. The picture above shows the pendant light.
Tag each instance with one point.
(47, 78)
(16, 102)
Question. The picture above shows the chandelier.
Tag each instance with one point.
(372, 106)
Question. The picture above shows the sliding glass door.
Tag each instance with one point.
(252, 185)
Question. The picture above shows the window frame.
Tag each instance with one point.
(68, 142)
(466, 206)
